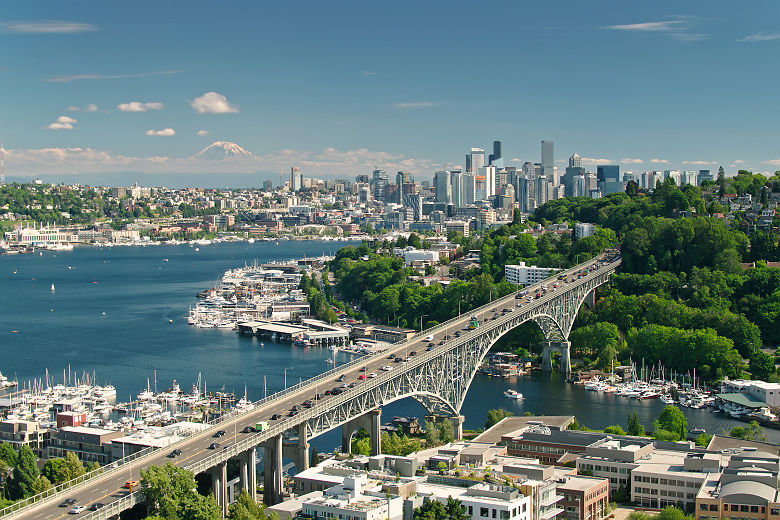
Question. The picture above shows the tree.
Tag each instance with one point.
(703, 440)
(170, 492)
(762, 365)
(446, 431)
(752, 432)
(361, 446)
(40, 485)
(25, 474)
(314, 458)
(614, 430)
(634, 426)
(621, 494)
(73, 465)
(3, 477)
(430, 510)
(673, 420)
(55, 470)
(244, 508)
(431, 434)
(495, 415)
(455, 509)
(7, 454)
(672, 513)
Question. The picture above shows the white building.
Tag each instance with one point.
(761, 390)
(527, 274)
(350, 501)
(421, 255)
(37, 236)
(482, 501)
(583, 229)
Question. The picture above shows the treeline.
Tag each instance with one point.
(20, 477)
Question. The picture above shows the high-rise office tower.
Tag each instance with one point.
(575, 161)
(529, 170)
(578, 186)
(609, 180)
(296, 179)
(468, 186)
(379, 182)
(523, 193)
(403, 177)
(414, 201)
(456, 188)
(704, 175)
(495, 158)
(541, 190)
(548, 162)
(441, 180)
(476, 160)
(268, 185)
(489, 173)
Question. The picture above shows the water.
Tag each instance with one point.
(110, 312)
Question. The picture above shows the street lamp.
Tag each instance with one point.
(421, 322)
(285, 376)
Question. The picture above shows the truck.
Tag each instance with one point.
(474, 323)
(261, 426)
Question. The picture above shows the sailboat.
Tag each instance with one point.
(52, 287)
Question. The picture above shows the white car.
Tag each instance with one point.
(372, 375)
(429, 337)
(387, 368)
(77, 509)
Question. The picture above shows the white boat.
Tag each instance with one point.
(52, 287)
(513, 394)
(667, 399)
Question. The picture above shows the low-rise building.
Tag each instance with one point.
(584, 498)
(522, 274)
(89, 444)
(19, 433)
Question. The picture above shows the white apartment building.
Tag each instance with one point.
(583, 229)
(482, 501)
(527, 274)
(349, 501)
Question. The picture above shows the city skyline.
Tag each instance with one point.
(630, 85)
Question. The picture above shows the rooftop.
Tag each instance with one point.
(510, 425)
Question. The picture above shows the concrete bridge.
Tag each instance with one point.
(436, 373)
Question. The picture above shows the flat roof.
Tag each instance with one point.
(87, 430)
(724, 442)
(512, 424)
(741, 399)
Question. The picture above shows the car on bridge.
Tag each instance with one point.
(248, 429)
(362, 376)
(67, 502)
(372, 375)
(213, 445)
(175, 453)
(96, 506)
(130, 484)
(340, 378)
(220, 433)
(77, 509)
(336, 391)
(386, 368)
(276, 415)
(429, 337)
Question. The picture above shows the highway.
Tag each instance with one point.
(109, 487)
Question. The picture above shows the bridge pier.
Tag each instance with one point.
(561, 346)
(298, 450)
(272, 474)
(248, 474)
(219, 486)
(590, 299)
(370, 422)
(456, 420)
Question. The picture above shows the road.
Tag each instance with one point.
(109, 487)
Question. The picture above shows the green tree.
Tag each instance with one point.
(446, 431)
(55, 470)
(244, 508)
(634, 426)
(361, 446)
(198, 507)
(674, 421)
(431, 434)
(614, 430)
(703, 440)
(495, 415)
(762, 365)
(25, 474)
(430, 510)
(170, 492)
(7, 454)
(455, 509)
(752, 432)
(672, 513)
(40, 485)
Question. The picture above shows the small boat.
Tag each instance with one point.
(262, 344)
(513, 394)
(330, 361)
(52, 287)
(667, 399)
(170, 321)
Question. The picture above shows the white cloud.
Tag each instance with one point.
(213, 103)
(138, 106)
(74, 77)
(165, 132)
(659, 161)
(629, 160)
(590, 161)
(202, 133)
(415, 104)
(699, 163)
(47, 27)
(739, 161)
(772, 162)
(63, 123)
(677, 28)
(760, 37)
(327, 162)
(89, 108)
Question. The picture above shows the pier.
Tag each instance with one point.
(310, 333)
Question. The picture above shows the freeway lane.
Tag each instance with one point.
(110, 487)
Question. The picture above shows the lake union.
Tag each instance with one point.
(110, 312)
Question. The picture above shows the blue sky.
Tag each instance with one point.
(95, 87)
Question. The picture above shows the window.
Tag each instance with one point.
(734, 507)
(702, 507)
(774, 511)
(484, 512)
(744, 509)
(713, 507)
(471, 510)
(663, 481)
(754, 509)
(494, 513)
(504, 515)
(524, 508)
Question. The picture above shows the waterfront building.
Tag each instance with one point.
(20, 433)
(527, 274)
(88, 444)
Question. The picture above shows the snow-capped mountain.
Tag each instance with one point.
(220, 150)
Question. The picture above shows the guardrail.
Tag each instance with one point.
(116, 466)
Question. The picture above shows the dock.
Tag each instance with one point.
(310, 332)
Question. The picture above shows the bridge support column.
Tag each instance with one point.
(219, 486)
(590, 299)
(561, 346)
(249, 473)
(302, 463)
(272, 474)
(371, 422)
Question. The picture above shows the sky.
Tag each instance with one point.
(122, 91)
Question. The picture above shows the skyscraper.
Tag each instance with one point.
(403, 177)
(476, 160)
(495, 158)
(379, 182)
(609, 181)
(296, 179)
(575, 161)
(548, 162)
(456, 188)
(524, 193)
(489, 173)
(529, 170)
(540, 188)
(441, 180)
(468, 185)
(574, 169)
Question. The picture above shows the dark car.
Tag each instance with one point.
(220, 433)
(67, 502)
(336, 391)
(213, 445)
(275, 416)
(247, 429)
(340, 378)
(327, 392)
(457, 334)
(292, 413)
(398, 359)
(413, 353)
(429, 348)
(391, 356)
(307, 404)
(294, 408)
(363, 369)
(96, 506)
(175, 453)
